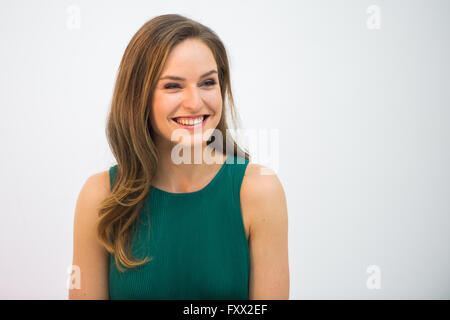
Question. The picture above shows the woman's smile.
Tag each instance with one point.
(191, 122)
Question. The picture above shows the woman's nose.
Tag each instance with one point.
(192, 99)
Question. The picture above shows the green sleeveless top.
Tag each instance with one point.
(195, 241)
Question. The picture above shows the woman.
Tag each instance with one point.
(161, 224)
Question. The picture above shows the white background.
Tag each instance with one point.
(362, 114)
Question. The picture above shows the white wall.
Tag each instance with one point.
(362, 114)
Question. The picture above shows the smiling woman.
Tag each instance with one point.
(152, 227)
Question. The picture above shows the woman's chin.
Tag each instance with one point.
(190, 144)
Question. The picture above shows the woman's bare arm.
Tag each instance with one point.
(264, 202)
(89, 255)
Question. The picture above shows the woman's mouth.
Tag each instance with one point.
(191, 123)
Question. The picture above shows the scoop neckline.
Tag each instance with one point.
(178, 194)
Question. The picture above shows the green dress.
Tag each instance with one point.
(196, 242)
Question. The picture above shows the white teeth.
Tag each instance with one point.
(190, 122)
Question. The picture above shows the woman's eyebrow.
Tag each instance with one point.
(182, 79)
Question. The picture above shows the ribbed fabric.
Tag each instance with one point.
(196, 240)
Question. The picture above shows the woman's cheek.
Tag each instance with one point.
(214, 99)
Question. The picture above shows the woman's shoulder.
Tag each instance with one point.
(260, 181)
(99, 183)
(261, 188)
(263, 199)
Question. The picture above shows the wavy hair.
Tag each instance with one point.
(128, 128)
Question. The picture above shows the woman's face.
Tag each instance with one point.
(194, 93)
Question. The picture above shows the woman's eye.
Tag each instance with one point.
(208, 83)
(170, 86)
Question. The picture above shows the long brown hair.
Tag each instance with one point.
(128, 128)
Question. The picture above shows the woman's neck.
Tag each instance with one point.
(179, 174)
